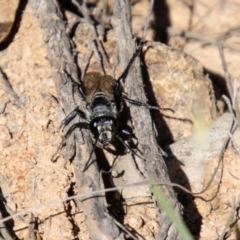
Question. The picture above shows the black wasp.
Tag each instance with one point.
(104, 101)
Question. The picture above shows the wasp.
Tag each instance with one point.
(104, 102)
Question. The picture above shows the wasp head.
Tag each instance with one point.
(103, 129)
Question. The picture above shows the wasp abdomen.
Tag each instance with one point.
(102, 106)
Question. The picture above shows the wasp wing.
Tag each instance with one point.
(106, 86)
(94, 82)
(91, 85)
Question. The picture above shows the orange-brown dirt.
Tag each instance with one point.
(29, 135)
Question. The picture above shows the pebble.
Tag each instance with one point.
(4, 133)
(4, 143)
(153, 225)
(3, 120)
(135, 222)
(2, 107)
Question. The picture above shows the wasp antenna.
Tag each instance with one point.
(137, 103)
(79, 85)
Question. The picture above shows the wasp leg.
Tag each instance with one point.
(128, 147)
(83, 125)
(79, 85)
(88, 164)
(134, 153)
(128, 136)
(72, 115)
(129, 139)
(145, 105)
(125, 132)
(80, 89)
(125, 72)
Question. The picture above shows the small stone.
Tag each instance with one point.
(4, 143)
(3, 120)
(43, 121)
(135, 222)
(2, 107)
(4, 133)
(152, 225)
(149, 238)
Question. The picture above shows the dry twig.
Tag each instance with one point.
(9, 89)
(99, 222)
(84, 10)
(141, 119)
(87, 195)
(31, 227)
(4, 231)
(232, 91)
(234, 217)
(188, 34)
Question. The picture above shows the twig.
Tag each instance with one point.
(215, 148)
(90, 194)
(33, 183)
(226, 233)
(147, 20)
(125, 230)
(234, 31)
(3, 230)
(235, 145)
(64, 72)
(9, 89)
(233, 128)
(84, 10)
(230, 107)
(225, 69)
(198, 37)
(141, 119)
(229, 84)
(98, 56)
(86, 60)
(234, 104)
(31, 227)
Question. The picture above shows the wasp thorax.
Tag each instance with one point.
(103, 128)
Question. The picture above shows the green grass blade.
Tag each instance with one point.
(173, 216)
